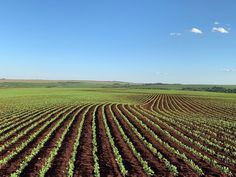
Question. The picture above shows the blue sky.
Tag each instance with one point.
(172, 41)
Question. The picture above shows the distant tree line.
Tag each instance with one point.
(212, 89)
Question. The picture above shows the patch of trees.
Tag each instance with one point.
(212, 89)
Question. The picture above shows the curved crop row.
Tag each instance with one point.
(190, 149)
(167, 163)
(146, 168)
(36, 149)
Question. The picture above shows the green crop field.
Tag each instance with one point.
(121, 88)
(117, 132)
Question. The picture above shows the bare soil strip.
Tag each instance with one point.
(14, 163)
(37, 162)
(158, 166)
(84, 157)
(208, 168)
(107, 161)
(183, 168)
(61, 161)
(130, 161)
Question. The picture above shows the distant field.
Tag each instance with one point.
(116, 132)
(181, 86)
(59, 84)
(112, 84)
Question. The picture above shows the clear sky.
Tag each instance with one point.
(174, 41)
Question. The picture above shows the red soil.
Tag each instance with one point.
(14, 163)
(206, 167)
(158, 166)
(130, 161)
(156, 107)
(107, 162)
(84, 161)
(60, 163)
(39, 160)
(183, 168)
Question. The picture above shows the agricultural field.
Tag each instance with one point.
(116, 132)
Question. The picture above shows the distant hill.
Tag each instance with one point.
(191, 87)
(9, 83)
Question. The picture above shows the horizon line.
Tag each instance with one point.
(2, 80)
